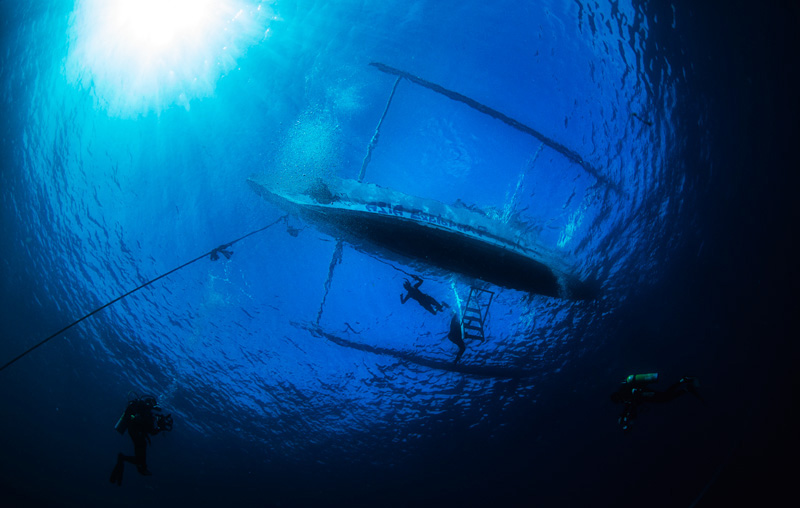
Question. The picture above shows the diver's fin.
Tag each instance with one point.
(692, 383)
(116, 474)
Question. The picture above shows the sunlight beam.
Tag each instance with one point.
(141, 56)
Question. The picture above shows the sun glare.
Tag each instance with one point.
(138, 56)
(154, 24)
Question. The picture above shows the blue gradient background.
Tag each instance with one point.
(102, 192)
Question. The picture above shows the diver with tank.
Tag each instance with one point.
(142, 418)
(636, 391)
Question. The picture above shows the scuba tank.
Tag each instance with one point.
(642, 379)
(136, 405)
(122, 423)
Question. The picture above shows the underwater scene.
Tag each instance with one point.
(397, 253)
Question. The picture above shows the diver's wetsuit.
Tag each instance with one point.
(633, 395)
(455, 336)
(140, 432)
(140, 422)
(427, 301)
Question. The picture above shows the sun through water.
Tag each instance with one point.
(142, 56)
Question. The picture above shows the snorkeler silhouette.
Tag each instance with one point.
(222, 249)
(427, 301)
(635, 391)
(141, 419)
(455, 336)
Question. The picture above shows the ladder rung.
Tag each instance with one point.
(472, 318)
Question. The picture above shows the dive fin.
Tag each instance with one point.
(116, 474)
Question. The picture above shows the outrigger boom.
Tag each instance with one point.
(516, 124)
(454, 238)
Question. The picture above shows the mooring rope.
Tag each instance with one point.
(213, 255)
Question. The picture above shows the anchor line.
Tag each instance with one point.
(213, 254)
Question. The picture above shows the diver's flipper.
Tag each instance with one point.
(461, 350)
(692, 384)
(116, 474)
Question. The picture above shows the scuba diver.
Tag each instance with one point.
(456, 337)
(427, 301)
(141, 418)
(635, 391)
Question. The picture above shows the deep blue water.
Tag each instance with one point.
(125, 153)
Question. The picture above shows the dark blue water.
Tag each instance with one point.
(127, 140)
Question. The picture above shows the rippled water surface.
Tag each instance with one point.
(294, 374)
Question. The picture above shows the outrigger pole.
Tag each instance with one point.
(337, 253)
(377, 134)
(558, 147)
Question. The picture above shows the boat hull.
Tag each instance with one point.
(453, 238)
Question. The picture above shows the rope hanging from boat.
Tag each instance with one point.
(213, 254)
